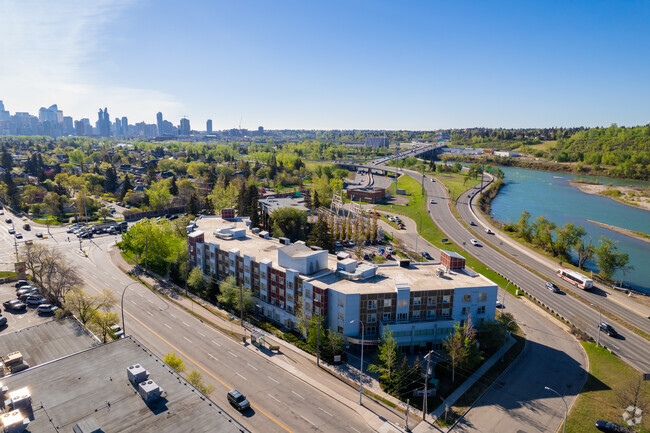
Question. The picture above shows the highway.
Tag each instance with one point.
(630, 346)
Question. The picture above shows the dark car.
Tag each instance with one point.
(552, 287)
(426, 255)
(8, 220)
(238, 400)
(21, 283)
(39, 234)
(14, 304)
(608, 329)
(611, 427)
(472, 223)
(3, 321)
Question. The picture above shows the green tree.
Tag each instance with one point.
(610, 260)
(543, 230)
(126, 186)
(196, 379)
(101, 324)
(566, 237)
(523, 226)
(232, 294)
(388, 358)
(316, 333)
(84, 305)
(104, 212)
(289, 222)
(223, 197)
(584, 251)
(456, 350)
(159, 195)
(321, 236)
(195, 280)
(174, 362)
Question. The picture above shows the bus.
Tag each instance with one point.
(575, 278)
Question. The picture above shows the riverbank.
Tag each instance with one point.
(631, 233)
(629, 195)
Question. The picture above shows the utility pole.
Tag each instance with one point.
(426, 386)
(136, 258)
(406, 427)
(241, 307)
(318, 343)
(13, 227)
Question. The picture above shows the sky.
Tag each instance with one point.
(351, 64)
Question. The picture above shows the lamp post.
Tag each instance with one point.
(505, 337)
(566, 412)
(122, 305)
(600, 320)
(363, 334)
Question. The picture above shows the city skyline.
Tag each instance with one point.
(367, 65)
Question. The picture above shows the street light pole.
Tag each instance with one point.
(505, 337)
(363, 335)
(600, 320)
(566, 412)
(426, 387)
(122, 305)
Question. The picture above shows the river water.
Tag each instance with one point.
(550, 194)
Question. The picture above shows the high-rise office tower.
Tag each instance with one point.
(118, 127)
(103, 123)
(184, 128)
(67, 125)
(159, 122)
(125, 125)
(208, 126)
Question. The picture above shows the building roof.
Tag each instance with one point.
(452, 254)
(92, 387)
(297, 250)
(47, 341)
(271, 204)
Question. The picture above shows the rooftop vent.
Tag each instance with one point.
(19, 399)
(14, 422)
(89, 425)
(255, 230)
(284, 241)
(404, 263)
(150, 391)
(137, 374)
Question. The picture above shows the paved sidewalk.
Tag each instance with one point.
(426, 426)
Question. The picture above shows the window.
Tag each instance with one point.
(340, 330)
(446, 299)
(431, 314)
(316, 297)
(417, 300)
(232, 263)
(388, 302)
(281, 279)
(403, 303)
(341, 317)
(341, 303)
(289, 298)
(445, 312)
(247, 279)
(416, 314)
(480, 309)
(372, 318)
(308, 294)
(482, 297)
(264, 298)
(372, 304)
(467, 297)
(402, 317)
(387, 317)
(247, 268)
(464, 310)
(432, 300)
(372, 330)
(290, 285)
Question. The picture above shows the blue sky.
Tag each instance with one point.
(332, 65)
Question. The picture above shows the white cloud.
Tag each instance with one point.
(49, 52)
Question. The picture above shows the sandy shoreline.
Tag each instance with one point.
(622, 231)
(629, 195)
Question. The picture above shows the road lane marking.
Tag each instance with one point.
(233, 354)
(216, 343)
(150, 301)
(325, 411)
(133, 302)
(186, 324)
(213, 357)
(167, 325)
(200, 333)
(273, 379)
(190, 359)
(355, 429)
(173, 316)
(307, 420)
(297, 394)
(241, 376)
(273, 397)
(252, 366)
(150, 313)
(190, 341)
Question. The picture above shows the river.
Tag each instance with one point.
(550, 194)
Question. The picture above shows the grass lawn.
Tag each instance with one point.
(416, 210)
(607, 376)
(7, 274)
(456, 183)
(53, 221)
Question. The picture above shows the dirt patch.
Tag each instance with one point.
(629, 195)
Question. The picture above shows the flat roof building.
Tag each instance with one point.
(420, 302)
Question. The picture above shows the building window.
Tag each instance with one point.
(340, 330)
(341, 303)
(431, 314)
(232, 263)
(432, 300)
(416, 314)
(372, 304)
(417, 300)
(372, 318)
(247, 268)
(446, 299)
(482, 297)
(341, 317)
(247, 279)
(388, 302)
(316, 297)
(401, 317)
(464, 310)
(480, 309)
(289, 298)
(387, 317)
(445, 312)
(403, 303)
(467, 297)
(264, 298)
(290, 285)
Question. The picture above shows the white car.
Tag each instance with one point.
(488, 231)
(473, 242)
(389, 250)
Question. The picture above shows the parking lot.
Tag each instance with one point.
(17, 320)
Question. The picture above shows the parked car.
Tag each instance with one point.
(426, 255)
(366, 256)
(473, 242)
(35, 300)
(337, 244)
(21, 283)
(608, 329)
(116, 331)
(28, 288)
(24, 296)
(46, 309)
(499, 304)
(351, 244)
(238, 400)
(552, 287)
(389, 249)
(14, 304)
(611, 427)
(3, 321)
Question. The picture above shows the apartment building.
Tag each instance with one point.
(419, 302)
